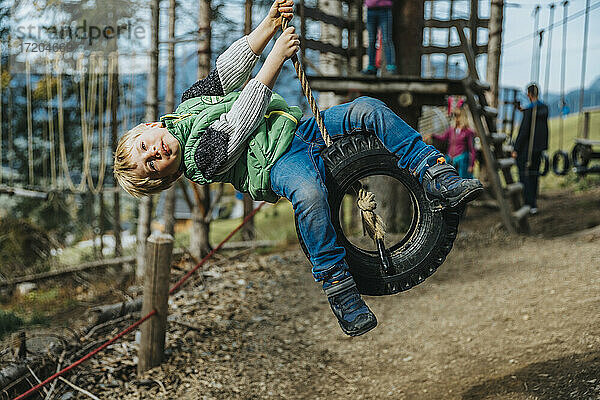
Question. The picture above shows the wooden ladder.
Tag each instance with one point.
(496, 154)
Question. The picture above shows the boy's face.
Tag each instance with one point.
(156, 152)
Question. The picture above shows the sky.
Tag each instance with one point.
(517, 52)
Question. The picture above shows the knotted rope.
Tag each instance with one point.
(372, 223)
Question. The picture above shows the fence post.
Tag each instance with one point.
(586, 124)
(159, 249)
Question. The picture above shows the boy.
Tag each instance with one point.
(254, 140)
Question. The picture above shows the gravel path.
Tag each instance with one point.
(503, 318)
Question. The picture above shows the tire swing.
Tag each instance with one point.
(392, 269)
(581, 155)
(560, 163)
(560, 156)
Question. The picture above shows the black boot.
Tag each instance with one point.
(353, 314)
(445, 189)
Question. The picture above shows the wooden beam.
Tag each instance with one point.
(377, 87)
(447, 24)
(468, 52)
(82, 267)
(324, 47)
(481, 49)
(13, 191)
(318, 15)
(70, 270)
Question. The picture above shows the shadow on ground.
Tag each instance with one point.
(576, 376)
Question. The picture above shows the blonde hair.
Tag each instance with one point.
(125, 169)
(461, 117)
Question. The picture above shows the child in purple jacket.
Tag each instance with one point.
(460, 139)
(379, 16)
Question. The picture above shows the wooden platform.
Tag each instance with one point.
(425, 90)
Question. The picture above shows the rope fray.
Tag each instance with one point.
(372, 223)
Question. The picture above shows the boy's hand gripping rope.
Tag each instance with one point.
(372, 223)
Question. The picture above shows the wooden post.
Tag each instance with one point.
(586, 124)
(159, 249)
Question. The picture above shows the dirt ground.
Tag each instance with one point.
(504, 318)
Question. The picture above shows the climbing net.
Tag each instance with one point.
(96, 79)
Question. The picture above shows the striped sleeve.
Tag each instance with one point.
(224, 141)
(234, 67)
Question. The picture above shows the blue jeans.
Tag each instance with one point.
(299, 175)
(379, 17)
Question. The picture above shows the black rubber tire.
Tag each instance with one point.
(426, 244)
(559, 157)
(544, 164)
(580, 155)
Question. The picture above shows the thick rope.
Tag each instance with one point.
(90, 113)
(308, 93)
(103, 120)
(372, 223)
(61, 130)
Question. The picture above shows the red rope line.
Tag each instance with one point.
(213, 251)
(144, 318)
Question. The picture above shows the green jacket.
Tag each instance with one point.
(251, 173)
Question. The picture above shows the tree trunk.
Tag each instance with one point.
(408, 37)
(114, 130)
(248, 231)
(143, 230)
(169, 210)
(329, 63)
(494, 50)
(199, 235)
(145, 204)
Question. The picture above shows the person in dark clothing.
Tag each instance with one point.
(528, 150)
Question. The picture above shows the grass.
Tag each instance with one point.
(572, 127)
(272, 222)
(9, 322)
(17, 317)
